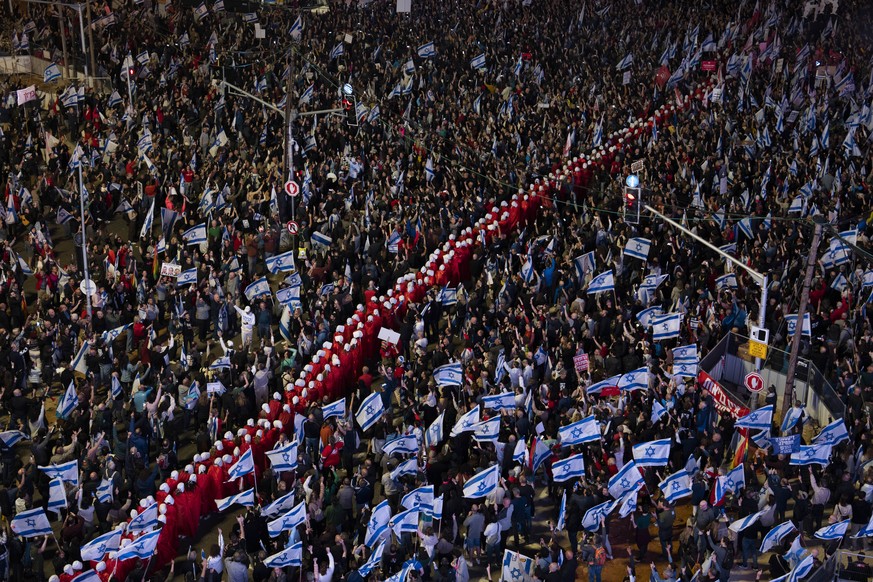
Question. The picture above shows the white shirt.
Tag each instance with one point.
(248, 318)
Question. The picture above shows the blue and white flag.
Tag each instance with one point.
(295, 516)
(592, 518)
(434, 433)
(284, 458)
(404, 445)
(732, 482)
(242, 467)
(257, 288)
(540, 453)
(502, 401)
(201, 11)
(375, 560)
(96, 549)
(449, 375)
(378, 524)
(220, 363)
(835, 531)
(10, 438)
(337, 51)
(246, 499)
(652, 453)
(195, 235)
(775, 536)
(69, 401)
(281, 263)
(585, 264)
(466, 422)
(759, 419)
(572, 467)
(105, 493)
(791, 323)
(645, 316)
(371, 410)
(337, 409)
(187, 277)
(68, 472)
(57, 496)
(666, 326)
(482, 483)
(744, 523)
(628, 504)
(250, 17)
(527, 270)
(833, 434)
(658, 411)
(634, 380)
(602, 283)
(627, 479)
(31, 524)
(143, 547)
(447, 296)
(113, 334)
(290, 556)
(603, 385)
(685, 361)
(649, 285)
(478, 62)
(289, 296)
(582, 431)
(487, 431)
(145, 520)
(51, 73)
(626, 62)
(638, 248)
(676, 486)
(319, 238)
(427, 50)
(421, 498)
(562, 513)
(728, 281)
(296, 28)
(281, 505)
(404, 522)
(811, 455)
(78, 364)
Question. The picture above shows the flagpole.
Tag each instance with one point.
(87, 289)
(148, 564)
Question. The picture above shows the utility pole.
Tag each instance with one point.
(91, 45)
(61, 18)
(788, 397)
(289, 139)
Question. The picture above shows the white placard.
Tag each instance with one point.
(389, 335)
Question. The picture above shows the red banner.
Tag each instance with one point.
(723, 401)
(581, 362)
(707, 65)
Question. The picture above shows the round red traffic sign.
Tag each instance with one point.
(754, 382)
(293, 227)
(291, 188)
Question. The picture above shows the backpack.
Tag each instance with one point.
(599, 556)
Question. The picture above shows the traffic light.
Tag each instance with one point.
(632, 205)
(350, 105)
(131, 72)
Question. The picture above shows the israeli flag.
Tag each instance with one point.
(573, 467)
(434, 433)
(143, 57)
(403, 445)
(290, 520)
(51, 73)
(627, 479)
(467, 422)
(280, 505)
(427, 50)
(791, 323)
(676, 486)
(733, 481)
(296, 28)
(478, 62)
(142, 548)
(666, 326)
(760, 419)
(10, 438)
(728, 281)
(370, 411)
(145, 520)
(634, 380)
(745, 226)
(337, 51)
(833, 434)
(242, 467)
(811, 455)
(96, 549)
(246, 499)
(449, 374)
(321, 239)
(487, 431)
(404, 522)
(290, 556)
(187, 277)
(802, 569)
(337, 409)
(603, 385)
(57, 496)
(741, 524)
(68, 472)
(114, 333)
(289, 296)
(628, 504)
(527, 270)
(250, 17)
(503, 401)
(375, 560)
(220, 363)
(834, 531)
(195, 235)
(69, 401)
(585, 264)
(645, 316)
(652, 453)
(307, 94)
(602, 283)
(482, 483)
(591, 519)
(775, 536)
(285, 458)
(31, 524)
(257, 288)
(582, 431)
(421, 498)
(378, 524)
(626, 62)
(638, 248)
(685, 354)
(658, 411)
(562, 513)
(281, 263)
(147, 223)
(201, 11)
(447, 297)
(104, 491)
(408, 467)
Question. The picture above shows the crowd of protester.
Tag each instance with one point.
(469, 210)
